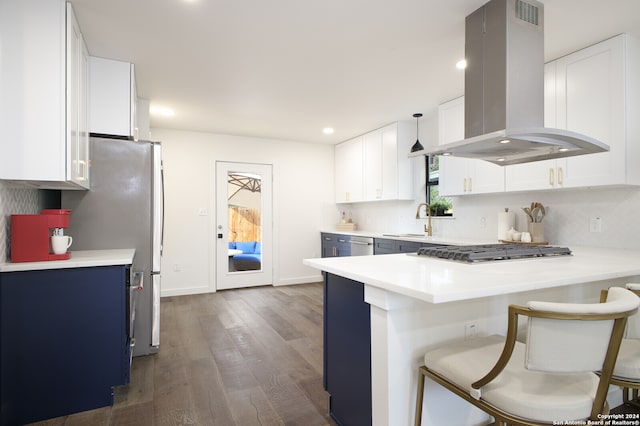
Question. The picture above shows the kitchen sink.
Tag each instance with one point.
(404, 235)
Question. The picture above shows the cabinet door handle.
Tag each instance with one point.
(550, 177)
(470, 186)
(335, 253)
(82, 170)
(346, 196)
(559, 175)
(464, 185)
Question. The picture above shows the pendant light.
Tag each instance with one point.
(417, 146)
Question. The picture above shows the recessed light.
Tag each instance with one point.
(501, 159)
(563, 149)
(461, 64)
(446, 154)
(505, 141)
(328, 130)
(164, 111)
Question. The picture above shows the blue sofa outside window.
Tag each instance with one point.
(251, 257)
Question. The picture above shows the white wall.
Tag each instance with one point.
(304, 206)
(303, 200)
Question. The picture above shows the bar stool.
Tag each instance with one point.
(551, 376)
(626, 373)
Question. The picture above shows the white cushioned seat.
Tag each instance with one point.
(627, 369)
(548, 378)
(628, 363)
(529, 394)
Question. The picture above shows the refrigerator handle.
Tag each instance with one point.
(158, 208)
(162, 189)
(155, 320)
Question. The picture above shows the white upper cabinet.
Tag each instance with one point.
(77, 102)
(593, 91)
(546, 174)
(112, 98)
(376, 166)
(43, 110)
(372, 165)
(460, 176)
(348, 173)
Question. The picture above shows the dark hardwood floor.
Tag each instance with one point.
(235, 357)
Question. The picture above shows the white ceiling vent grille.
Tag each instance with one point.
(527, 12)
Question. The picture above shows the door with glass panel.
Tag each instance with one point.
(244, 253)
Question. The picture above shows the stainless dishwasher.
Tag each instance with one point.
(361, 246)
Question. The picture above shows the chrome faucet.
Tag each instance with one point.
(427, 228)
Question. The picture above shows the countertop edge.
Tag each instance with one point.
(79, 259)
(500, 277)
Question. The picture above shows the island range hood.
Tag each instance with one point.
(504, 90)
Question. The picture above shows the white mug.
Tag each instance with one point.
(60, 243)
(525, 237)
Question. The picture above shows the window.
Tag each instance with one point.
(440, 206)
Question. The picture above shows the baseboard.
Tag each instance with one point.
(299, 280)
(184, 291)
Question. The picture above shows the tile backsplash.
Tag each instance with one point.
(14, 200)
(569, 213)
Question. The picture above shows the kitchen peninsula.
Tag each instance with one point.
(417, 302)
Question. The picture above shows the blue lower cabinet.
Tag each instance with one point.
(347, 351)
(63, 341)
(335, 245)
(384, 246)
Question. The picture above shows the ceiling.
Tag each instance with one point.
(285, 69)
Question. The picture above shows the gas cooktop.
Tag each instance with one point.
(492, 252)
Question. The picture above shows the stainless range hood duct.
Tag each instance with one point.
(504, 90)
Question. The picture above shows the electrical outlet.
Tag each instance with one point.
(176, 267)
(595, 224)
(470, 330)
(202, 211)
(483, 222)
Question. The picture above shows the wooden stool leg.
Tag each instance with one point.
(419, 398)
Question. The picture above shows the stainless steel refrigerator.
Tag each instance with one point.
(124, 209)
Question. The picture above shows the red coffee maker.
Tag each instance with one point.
(31, 235)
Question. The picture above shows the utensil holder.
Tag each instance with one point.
(536, 229)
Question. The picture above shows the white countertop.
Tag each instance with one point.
(79, 259)
(422, 238)
(439, 281)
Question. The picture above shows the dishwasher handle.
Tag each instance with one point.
(362, 243)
